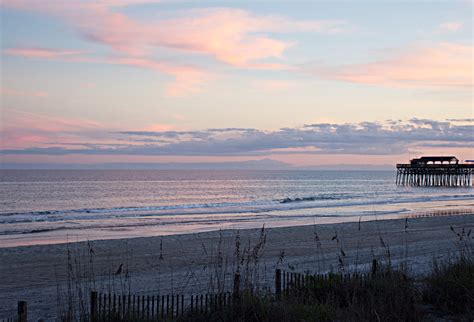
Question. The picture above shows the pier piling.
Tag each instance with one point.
(434, 172)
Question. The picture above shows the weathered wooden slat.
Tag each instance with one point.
(172, 304)
(162, 306)
(148, 307)
(152, 307)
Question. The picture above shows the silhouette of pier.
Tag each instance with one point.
(435, 171)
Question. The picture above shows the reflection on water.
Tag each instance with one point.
(45, 206)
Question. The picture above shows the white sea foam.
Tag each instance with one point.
(129, 199)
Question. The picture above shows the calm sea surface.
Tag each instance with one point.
(50, 206)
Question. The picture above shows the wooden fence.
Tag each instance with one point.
(22, 313)
(155, 307)
(304, 287)
(158, 307)
(297, 282)
(106, 306)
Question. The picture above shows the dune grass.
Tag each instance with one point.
(389, 293)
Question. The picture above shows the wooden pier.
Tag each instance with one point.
(437, 171)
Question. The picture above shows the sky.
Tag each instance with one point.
(302, 82)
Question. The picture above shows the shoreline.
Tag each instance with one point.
(182, 263)
(155, 230)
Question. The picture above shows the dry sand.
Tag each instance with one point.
(188, 261)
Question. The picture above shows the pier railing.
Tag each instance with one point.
(435, 175)
(435, 166)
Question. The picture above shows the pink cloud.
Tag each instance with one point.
(13, 92)
(22, 129)
(272, 85)
(442, 65)
(42, 52)
(451, 26)
(188, 79)
(232, 36)
(178, 116)
(28, 120)
(159, 127)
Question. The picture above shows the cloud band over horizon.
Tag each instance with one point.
(392, 137)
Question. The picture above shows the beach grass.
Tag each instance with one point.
(389, 293)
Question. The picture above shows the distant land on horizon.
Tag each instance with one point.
(265, 164)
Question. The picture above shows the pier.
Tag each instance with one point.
(435, 171)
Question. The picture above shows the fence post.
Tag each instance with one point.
(22, 311)
(93, 306)
(236, 292)
(374, 267)
(278, 284)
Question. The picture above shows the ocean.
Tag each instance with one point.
(54, 206)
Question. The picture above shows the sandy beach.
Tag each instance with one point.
(186, 263)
